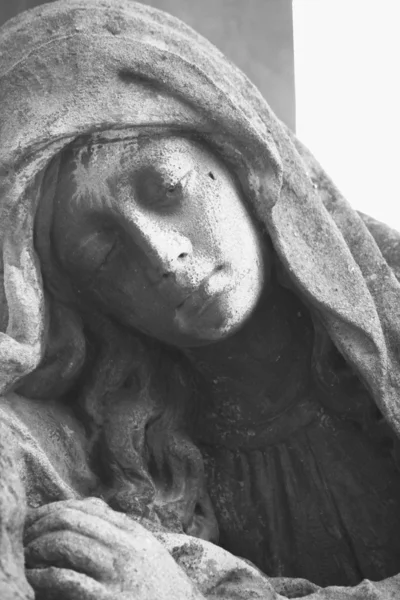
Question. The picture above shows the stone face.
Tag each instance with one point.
(198, 348)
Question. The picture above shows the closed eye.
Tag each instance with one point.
(182, 183)
(157, 190)
(97, 248)
(109, 254)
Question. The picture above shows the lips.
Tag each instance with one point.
(197, 303)
(205, 297)
(201, 318)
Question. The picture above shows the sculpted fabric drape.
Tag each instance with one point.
(80, 67)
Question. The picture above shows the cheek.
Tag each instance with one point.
(136, 307)
(208, 226)
(241, 237)
(121, 289)
(127, 294)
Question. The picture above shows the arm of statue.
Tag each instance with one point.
(84, 550)
(389, 589)
(220, 575)
(13, 584)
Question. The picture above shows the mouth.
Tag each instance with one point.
(205, 300)
(196, 304)
(201, 319)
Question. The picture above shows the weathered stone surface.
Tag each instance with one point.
(13, 584)
(199, 336)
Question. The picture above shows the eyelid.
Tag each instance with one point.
(188, 176)
(109, 253)
(104, 241)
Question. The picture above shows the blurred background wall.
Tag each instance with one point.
(348, 96)
(257, 35)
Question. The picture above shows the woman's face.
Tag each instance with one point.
(155, 233)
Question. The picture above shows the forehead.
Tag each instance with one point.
(133, 153)
(98, 170)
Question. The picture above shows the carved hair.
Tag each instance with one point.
(128, 390)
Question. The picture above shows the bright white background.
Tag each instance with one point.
(347, 68)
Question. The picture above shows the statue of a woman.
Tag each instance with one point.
(199, 349)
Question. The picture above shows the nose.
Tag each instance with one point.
(166, 250)
(168, 257)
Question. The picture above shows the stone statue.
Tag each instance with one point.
(199, 360)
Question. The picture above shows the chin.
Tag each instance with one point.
(199, 336)
(217, 323)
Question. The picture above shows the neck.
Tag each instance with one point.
(216, 359)
(265, 363)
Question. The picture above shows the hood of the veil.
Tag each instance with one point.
(86, 66)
